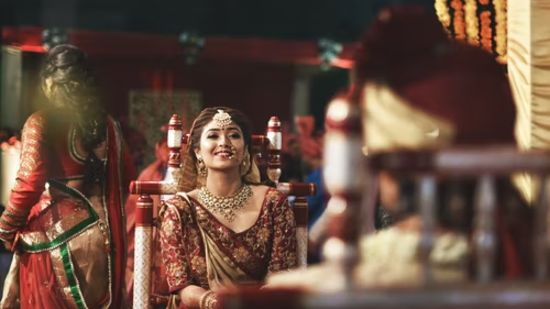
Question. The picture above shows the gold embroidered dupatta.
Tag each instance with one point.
(221, 271)
(220, 268)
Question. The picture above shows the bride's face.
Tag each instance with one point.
(221, 148)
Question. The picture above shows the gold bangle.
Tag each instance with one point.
(205, 300)
(211, 301)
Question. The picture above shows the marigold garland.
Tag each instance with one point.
(501, 29)
(472, 26)
(481, 22)
(486, 31)
(442, 12)
(458, 22)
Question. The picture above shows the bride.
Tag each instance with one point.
(228, 230)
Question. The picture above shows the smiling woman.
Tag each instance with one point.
(228, 230)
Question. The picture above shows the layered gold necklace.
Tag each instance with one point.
(227, 206)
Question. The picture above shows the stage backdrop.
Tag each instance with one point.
(146, 117)
(255, 75)
(259, 90)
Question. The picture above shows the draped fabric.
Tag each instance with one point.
(385, 109)
(71, 237)
(119, 172)
(198, 250)
(529, 74)
(221, 271)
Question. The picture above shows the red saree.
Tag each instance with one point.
(71, 244)
(198, 250)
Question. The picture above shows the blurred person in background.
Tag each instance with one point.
(65, 217)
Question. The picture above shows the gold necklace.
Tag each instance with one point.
(226, 206)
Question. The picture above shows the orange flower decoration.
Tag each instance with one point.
(458, 23)
(486, 31)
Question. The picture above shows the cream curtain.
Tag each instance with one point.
(529, 73)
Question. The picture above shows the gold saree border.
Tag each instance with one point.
(37, 242)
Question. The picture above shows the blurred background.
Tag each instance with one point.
(264, 57)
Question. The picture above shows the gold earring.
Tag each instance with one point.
(201, 167)
(245, 165)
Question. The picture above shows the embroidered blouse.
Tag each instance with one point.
(269, 245)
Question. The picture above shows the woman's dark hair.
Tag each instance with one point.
(206, 116)
(70, 86)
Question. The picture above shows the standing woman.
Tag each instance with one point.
(228, 230)
(64, 218)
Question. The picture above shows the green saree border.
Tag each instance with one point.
(72, 232)
(71, 277)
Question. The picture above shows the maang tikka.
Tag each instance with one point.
(222, 119)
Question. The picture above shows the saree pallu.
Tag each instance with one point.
(64, 258)
(221, 271)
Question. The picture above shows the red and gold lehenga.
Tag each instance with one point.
(198, 250)
(69, 238)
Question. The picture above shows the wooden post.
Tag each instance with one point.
(276, 144)
(427, 201)
(142, 252)
(144, 215)
(485, 234)
(174, 141)
(541, 232)
(344, 176)
(300, 190)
